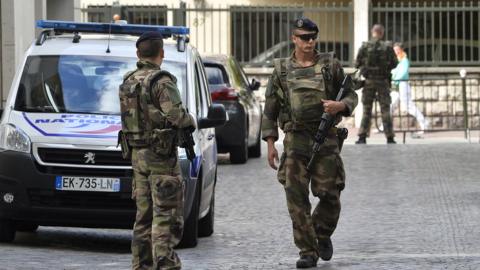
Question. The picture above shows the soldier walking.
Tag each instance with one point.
(375, 60)
(300, 89)
(152, 111)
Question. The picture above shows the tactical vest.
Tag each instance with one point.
(376, 60)
(141, 119)
(304, 89)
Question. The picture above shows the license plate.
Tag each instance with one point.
(87, 184)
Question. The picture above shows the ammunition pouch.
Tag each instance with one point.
(342, 134)
(125, 146)
(163, 141)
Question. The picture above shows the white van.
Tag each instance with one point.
(59, 160)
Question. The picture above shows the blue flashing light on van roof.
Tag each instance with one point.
(113, 28)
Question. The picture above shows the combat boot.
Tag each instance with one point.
(390, 140)
(325, 249)
(307, 261)
(361, 140)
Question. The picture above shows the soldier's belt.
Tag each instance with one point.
(139, 143)
(289, 127)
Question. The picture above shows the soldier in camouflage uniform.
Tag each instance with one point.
(300, 89)
(375, 60)
(152, 113)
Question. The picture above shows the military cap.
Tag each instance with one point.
(305, 24)
(148, 36)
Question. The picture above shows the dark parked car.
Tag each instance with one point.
(229, 85)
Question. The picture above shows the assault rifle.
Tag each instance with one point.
(185, 140)
(327, 121)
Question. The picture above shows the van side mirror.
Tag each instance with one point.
(255, 85)
(217, 116)
(1, 112)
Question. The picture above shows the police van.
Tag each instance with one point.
(60, 164)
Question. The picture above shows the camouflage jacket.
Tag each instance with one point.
(376, 59)
(276, 97)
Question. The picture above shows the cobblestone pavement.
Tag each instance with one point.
(405, 207)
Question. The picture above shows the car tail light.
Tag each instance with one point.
(224, 94)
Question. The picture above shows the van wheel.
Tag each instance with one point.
(26, 227)
(190, 226)
(239, 154)
(206, 224)
(7, 231)
(256, 150)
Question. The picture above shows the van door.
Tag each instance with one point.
(207, 135)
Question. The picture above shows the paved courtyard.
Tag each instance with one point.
(413, 206)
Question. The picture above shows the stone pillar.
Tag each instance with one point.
(361, 26)
(18, 33)
(360, 22)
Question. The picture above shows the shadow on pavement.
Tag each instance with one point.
(78, 239)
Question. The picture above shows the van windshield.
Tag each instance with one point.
(79, 83)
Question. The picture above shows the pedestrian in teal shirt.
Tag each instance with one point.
(400, 78)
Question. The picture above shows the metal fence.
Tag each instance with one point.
(436, 33)
(447, 103)
(253, 34)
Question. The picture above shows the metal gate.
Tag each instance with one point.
(434, 33)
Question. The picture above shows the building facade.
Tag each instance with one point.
(435, 33)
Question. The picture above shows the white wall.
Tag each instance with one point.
(18, 32)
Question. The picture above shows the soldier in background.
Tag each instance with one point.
(375, 60)
(300, 89)
(152, 112)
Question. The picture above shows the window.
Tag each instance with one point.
(217, 77)
(198, 92)
(206, 100)
(238, 80)
(243, 76)
(79, 83)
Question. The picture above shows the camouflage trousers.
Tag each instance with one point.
(326, 181)
(158, 193)
(381, 90)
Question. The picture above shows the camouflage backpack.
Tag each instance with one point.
(304, 90)
(377, 64)
(143, 123)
